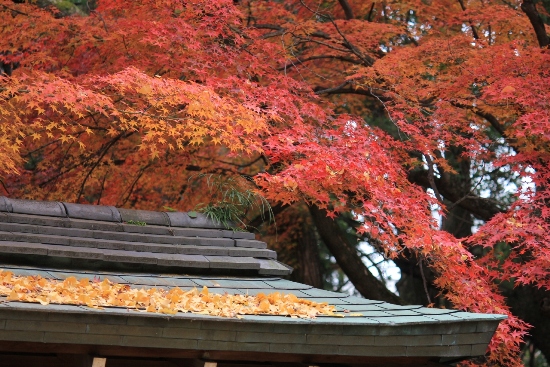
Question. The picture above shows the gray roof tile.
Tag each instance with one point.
(181, 219)
(11, 247)
(286, 284)
(93, 212)
(250, 243)
(230, 283)
(49, 208)
(103, 235)
(158, 281)
(177, 243)
(184, 261)
(273, 267)
(5, 204)
(146, 216)
(231, 262)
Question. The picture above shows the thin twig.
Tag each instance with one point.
(424, 280)
(431, 178)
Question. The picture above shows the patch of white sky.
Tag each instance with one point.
(382, 268)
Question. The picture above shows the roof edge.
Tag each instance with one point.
(106, 213)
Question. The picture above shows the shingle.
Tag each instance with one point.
(151, 342)
(185, 261)
(487, 326)
(181, 219)
(95, 225)
(228, 262)
(93, 212)
(27, 272)
(330, 301)
(129, 257)
(217, 290)
(119, 329)
(36, 325)
(436, 311)
(379, 351)
(61, 275)
(363, 340)
(443, 317)
(233, 346)
(250, 243)
(408, 340)
(405, 319)
(36, 220)
(368, 313)
(75, 252)
(229, 283)
(5, 204)
(196, 232)
(252, 252)
(286, 284)
(238, 235)
(441, 351)
(402, 313)
(390, 306)
(147, 216)
(23, 248)
(204, 241)
(304, 349)
(23, 336)
(478, 349)
(470, 338)
(360, 308)
(158, 281)
(251, 337)
(49, 208)
(273, 267)
(362, 301)
(147, 229)
(314, 292)
(477, 316)
(200, 334)
(61, 337)
(266, 291)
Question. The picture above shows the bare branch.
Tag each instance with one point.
(332, 90)
(347, 9)
(530, 9)
(474, 31)
(293, 63)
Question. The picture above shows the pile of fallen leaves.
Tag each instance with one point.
(98, 294)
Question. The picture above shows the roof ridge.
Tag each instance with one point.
(106, 213)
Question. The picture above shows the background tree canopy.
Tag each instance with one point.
(419, 127)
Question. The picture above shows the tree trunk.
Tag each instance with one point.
(310, 266)
(349, 260)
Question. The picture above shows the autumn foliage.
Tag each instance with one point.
(123, 105)
(98, 293)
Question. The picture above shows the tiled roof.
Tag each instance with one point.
(58, 240)
(105, 237)
(383, 329)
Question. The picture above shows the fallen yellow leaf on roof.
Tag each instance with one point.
(99, 294)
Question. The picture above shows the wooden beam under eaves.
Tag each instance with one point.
(99, 362)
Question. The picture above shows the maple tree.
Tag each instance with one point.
(378, 114)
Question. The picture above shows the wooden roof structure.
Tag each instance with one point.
(59, 240)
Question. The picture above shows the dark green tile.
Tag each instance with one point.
(439, 351)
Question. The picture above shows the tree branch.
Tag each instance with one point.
(347, 9)
(474, 31)
(481, 208)
(293, 63)
(530, 9)
(349, 260)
